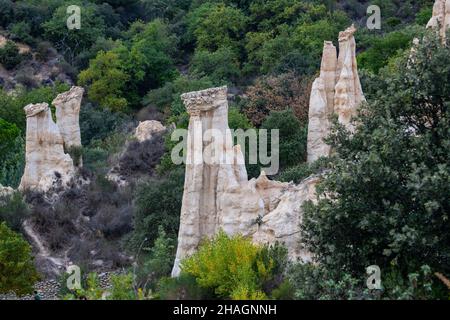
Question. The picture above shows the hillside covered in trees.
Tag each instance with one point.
(389, 180)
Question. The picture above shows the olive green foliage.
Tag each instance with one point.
(72, 42)
(157, 261)
(106, 81)
(122, 288)
(13, 211)
(11, 154)
(232, 266)
(167, 98)
(387, 195)
(9, 55)
(117, 77)
(17, 272)
(293, 136)
(382, 49)
(157, 203)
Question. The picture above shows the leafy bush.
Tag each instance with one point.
(221, 66)
(12, 154)
(157, 262)
(10, 56)
(184, 287)
(293, 136)
(17, 272)
(13, 211)
(121, 289)
(232, 266)
(157, 203)
(302, 171)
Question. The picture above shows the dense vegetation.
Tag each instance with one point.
(135, 58)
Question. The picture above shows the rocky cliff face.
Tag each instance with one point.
(337, 90)
(441, 17)
(218, 195)
(46, 163)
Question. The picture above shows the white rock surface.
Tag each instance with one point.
(5, 191)
(46, 162)
(68, 106)
(441, 17)
(337, 90)
(217, 195)
(147, 129)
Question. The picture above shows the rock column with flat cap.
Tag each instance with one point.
(217, 193)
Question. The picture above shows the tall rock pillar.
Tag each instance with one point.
(441, 18)
(337, 90)
(46, 162)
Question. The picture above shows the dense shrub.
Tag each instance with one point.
(157, 203)
(277, 93)
(221, 66)
(155, 262)
(293, 136)
(10, 56)
(12, 154)
(142, 157)
(13, 211)
(17, 272)
(232, 266)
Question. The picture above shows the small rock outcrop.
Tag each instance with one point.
(219, 196)
(337, 90)
(5, 191)
(45, 160)
(441, 18)
(68, 106)
(147, 129)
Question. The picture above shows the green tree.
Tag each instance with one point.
(157, 203)
(106, 80)
(293, 136)
(12, 154)
(72, 42)
(150, 59)
(17, 272)
(9, 55)
(221, 66)
(386, 202)
(222, 27)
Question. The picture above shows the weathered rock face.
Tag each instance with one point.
(217, 194)
(46, 162)
(337, 90)
(5, 191)
(147, 129)
(441, 17)
(68, 106)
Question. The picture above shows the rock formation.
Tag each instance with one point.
(441, 17)
(45, 159)
(218, 195)
(68, 106)
(337, 90)
(147, 129)
(5, 191)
